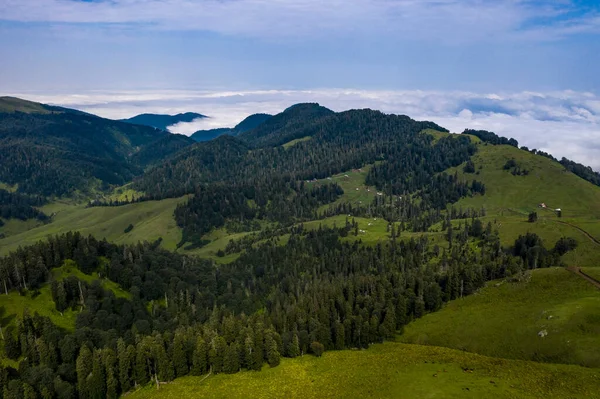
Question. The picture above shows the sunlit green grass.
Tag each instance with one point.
(509, 199)
(151, 220)
(391, 370)
(296, 141)
(504, 320)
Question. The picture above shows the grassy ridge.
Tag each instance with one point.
(504, 320)
(509, 199)
(391, 370)
(151, 220)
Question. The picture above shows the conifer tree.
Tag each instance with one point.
(294, 349)
(84, 370)
(231, 361)
(199, 357)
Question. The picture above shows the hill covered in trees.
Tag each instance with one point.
(160, 121)
(52, 151)
(247, 124)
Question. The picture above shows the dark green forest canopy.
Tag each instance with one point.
(54, 154)
(254, 167)
(340, 142)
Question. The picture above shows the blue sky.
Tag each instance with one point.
(403, 44)
(523, 68)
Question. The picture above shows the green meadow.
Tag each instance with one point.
(391, 370)
(505, 320)
(151, 220)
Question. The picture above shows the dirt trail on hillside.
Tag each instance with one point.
(588, 235)
(577, 271)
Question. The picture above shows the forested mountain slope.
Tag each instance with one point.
(267, 181)
(53, 151)
(161, 121)
(247, 124)
(305, 266)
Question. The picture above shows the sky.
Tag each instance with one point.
(522, 68)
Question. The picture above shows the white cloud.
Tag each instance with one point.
(564, 123)
(446, 20)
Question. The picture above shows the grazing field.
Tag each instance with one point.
(353, 184)
(371, 230)
(296, 141)
(150, 220)
(391, 370)
(504, 320)
(509, 199)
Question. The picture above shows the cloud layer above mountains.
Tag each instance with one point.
(564, 123)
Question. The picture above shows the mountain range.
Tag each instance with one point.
(133, 257)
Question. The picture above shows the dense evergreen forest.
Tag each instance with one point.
(267, 179)
(61, 151)
(19, 206)
(189, 316)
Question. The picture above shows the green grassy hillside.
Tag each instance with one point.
(504, 320)
(509, 199)
(151, 220)
(391, 370)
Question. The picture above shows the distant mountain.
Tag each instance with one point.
(206, 135)
(47, 150)
(291, 124)
(247, 124)
(163, 121)
(251, 122)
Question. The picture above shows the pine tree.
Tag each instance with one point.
(142, 360)
(84, 367)
(199, 357)
(165, 366)
(29, 392)
(216, 354)
(179, 356)
(231, 361)
(294, 349)
(273, 356)
(124, 364)
(340, 336)
(97, 381)
(111, 371)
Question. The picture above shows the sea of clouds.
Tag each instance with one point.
(564, 123)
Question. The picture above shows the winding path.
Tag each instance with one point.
(577, 271)
(588, 235)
